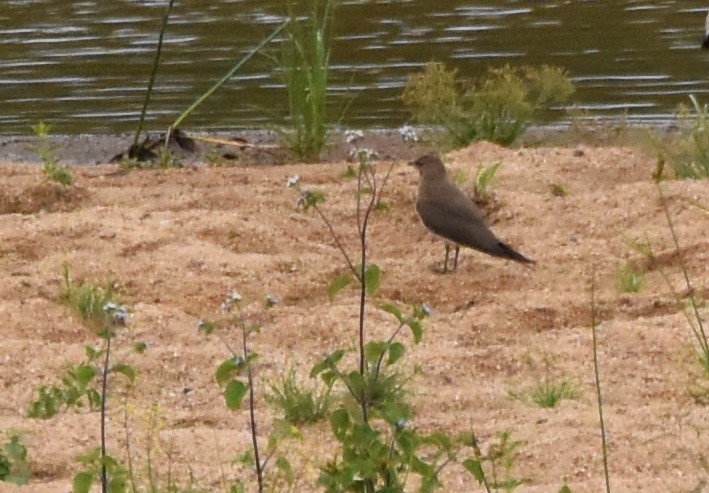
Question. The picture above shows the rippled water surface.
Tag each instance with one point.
(83, 65)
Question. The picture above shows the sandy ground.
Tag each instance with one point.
(177, 241)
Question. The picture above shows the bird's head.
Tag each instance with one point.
(429, 166)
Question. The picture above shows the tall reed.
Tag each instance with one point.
(305, 61)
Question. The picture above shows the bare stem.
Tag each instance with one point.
(594, 325)
(104, 397)
(154, 71)
(252, 414)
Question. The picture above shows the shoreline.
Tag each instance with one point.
(93, 149)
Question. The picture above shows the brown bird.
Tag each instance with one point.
(448, 212)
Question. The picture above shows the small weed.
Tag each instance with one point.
(47, 152)
(559, 190)
(643, 247)
(497, 107)
(690, 305)
(689, 154)
(501, 456)
(87, 300)
(549, 393)
(14, 467)
(630, 280)
(299, 403)
(459, 176)
(484, 177)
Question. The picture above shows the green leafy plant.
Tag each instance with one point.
(299, 403)
(305, 61)
(48, 153)
(688, 155)
(484, 177)
(379, 449)
(88, 382)
(497, 107)
(630, 280)
(14, 467)
(501, 457)
(235, 377)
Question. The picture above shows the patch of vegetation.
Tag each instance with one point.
(549, 393)
(299, 403)
(305, 61)
(47, 151)
(235, 377)
(688, 155)
(501, 457)
(483, 179)
(14, 467)
(498, 107)
(559, 190)
(630, 279)
(87, 382)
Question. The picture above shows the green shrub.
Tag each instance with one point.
(47, 151)
(689, 154)
(497, 107)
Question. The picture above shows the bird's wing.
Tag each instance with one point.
(450, 213)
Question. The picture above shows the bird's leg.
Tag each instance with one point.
(445, 261)
(455, 259)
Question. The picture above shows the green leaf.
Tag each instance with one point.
(234, 393)
(485, 176)
(565, 489)
(373, 350)
(329, 361)
(117, 485)
(340, 423)
(396, 351)
(84, 374)
(372, 277)
(475, 468)
(82, 482)
(337, 285)
(227, 369)
(246, 459)
(416, 330)
(390, 308)
(284, 466)
(125, 370)
(311, 198)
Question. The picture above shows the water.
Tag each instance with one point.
(83, 65)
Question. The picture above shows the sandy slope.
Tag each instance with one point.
(177, 241)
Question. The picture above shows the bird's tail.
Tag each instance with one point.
(505, 251)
